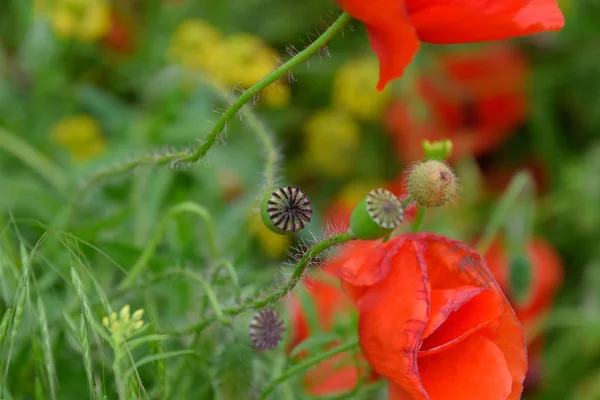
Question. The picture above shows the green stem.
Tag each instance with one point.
(419, 219)
(307, 364)
(187, 157)
(34, 159)
(148, 252)
(301, 267)
(259, 129)
(118, 373)
(519, 182)
(212, 297)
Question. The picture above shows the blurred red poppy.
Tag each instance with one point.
(340, 373)
(395, 27)
(120, 36)
(547, 277)
(476, 101)
(434, 322)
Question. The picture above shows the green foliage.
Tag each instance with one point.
(160, 216)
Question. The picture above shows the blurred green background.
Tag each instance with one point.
(87, 86)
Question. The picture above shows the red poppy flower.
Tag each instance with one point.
(476, 101)
(340, 373)
(434, 322)
(547, 276)
(119, 38)
(395, 27)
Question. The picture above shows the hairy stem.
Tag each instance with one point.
(259, 129)
(188, 157)
(301, 267)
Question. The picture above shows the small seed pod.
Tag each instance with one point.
(432, 184)
(266, 329)
(376, 215)
(287, 210)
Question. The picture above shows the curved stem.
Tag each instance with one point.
(259, 129)
(144, 258)
(307, 364)
(34, 159)
(184, 157)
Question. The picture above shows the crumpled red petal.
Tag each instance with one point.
(464, 21)
(391, 34)
(488, 376)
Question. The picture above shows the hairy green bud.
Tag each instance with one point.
(432, 183)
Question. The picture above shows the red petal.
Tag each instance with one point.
(479, 311)
(461, 21)
(393, 315)
(473, 369)
(391, 35)
(444, 302)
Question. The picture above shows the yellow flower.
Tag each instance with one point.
(123, 325)
(86, 20)
(276, 95)
(273, 245)
(249, 59)
(80, 135)
(354, 89)
(332, 139)
(198, 45)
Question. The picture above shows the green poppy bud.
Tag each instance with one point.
(377, 215)
(286, 210)
(432, 184)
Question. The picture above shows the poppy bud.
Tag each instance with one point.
(376, 215)
(287, 210)
(432, 184)
(437, 150)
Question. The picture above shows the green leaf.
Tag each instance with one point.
(521, 278)
(313, 342)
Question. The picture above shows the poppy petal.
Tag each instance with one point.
(444, 302)
(390, 344)
(476, 313)
(390, 32)
(474, 369)
(459, 21)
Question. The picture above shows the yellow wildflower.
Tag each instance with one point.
(354, 89)
(86, 20)
(332, 139)
(80, 135)
(273, 245)
(197, 45)
(123, 325)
